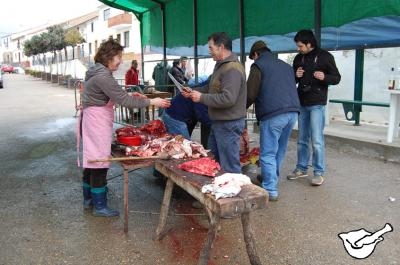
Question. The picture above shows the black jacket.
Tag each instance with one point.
(179, 75)
(311, 90)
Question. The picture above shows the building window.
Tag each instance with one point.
(106, 14)
(90, 48)
(126, 39)
(119, 38)
(92, 26)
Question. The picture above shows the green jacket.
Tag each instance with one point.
(226, 92)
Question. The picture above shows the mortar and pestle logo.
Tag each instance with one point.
(360, 243)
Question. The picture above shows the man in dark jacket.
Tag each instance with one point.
(271, 86)
(178, 72)
(315, 69)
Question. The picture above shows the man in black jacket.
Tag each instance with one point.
(178, 71)
(315, 69)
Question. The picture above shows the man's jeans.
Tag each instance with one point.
(311, 127)
(274, 137)
(174, 126)
(224, 142)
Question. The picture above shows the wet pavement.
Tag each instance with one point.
(42, 220)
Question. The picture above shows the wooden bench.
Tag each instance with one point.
(353, 107)
(249, 199)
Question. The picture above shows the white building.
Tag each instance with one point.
(94, 27)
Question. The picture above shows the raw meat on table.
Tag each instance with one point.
(202, 166)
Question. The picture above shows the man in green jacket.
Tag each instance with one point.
(225, 95)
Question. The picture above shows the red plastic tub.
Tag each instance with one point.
(135, 140)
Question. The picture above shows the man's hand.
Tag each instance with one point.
(319, 75)
(195, 96)
(185, 93)
(160, 102)
(299, 72)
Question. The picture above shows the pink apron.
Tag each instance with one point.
(97, 134)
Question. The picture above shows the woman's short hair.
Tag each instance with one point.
(107, 51)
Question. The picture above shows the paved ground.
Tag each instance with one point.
(42, 221)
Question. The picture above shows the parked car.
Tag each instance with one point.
(1, 80)
(19, 70)
(7, 69)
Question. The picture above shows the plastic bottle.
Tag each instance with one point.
(392, 82)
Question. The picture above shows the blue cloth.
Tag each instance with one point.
(201, 114)
(277, 93)
(181, 109)
(201, 81)
(224, 142)
(311, 127)
(274, 136)
(185, 110)
(175, 126)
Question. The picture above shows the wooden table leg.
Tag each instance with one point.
(126, 180)
(211, 235)
(164, 209)
(249, 240)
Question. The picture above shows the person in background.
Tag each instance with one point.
(272, 88)
(160, 76)
(178, 71)
(315, 69)
(187, 68)
(132, 75)
(225, 95)
(161, 80)
(100, 93)
(132, 79)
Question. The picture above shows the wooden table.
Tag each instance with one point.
(128, 166)
(249, 199)
(394, 115)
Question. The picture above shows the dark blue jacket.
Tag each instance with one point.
(185, 110)
(277, 92)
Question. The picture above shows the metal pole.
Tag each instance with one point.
(140, 17)
(358, 84)
(242, 34)
(195, 40)
(164, 36)
(317, 21)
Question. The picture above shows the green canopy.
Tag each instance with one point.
(344, 23)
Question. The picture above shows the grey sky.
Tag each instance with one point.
(19, 15)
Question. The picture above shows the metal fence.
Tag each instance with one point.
(139, 116)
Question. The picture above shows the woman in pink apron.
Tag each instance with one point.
(101, 91)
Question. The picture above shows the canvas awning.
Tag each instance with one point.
(344, 24)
